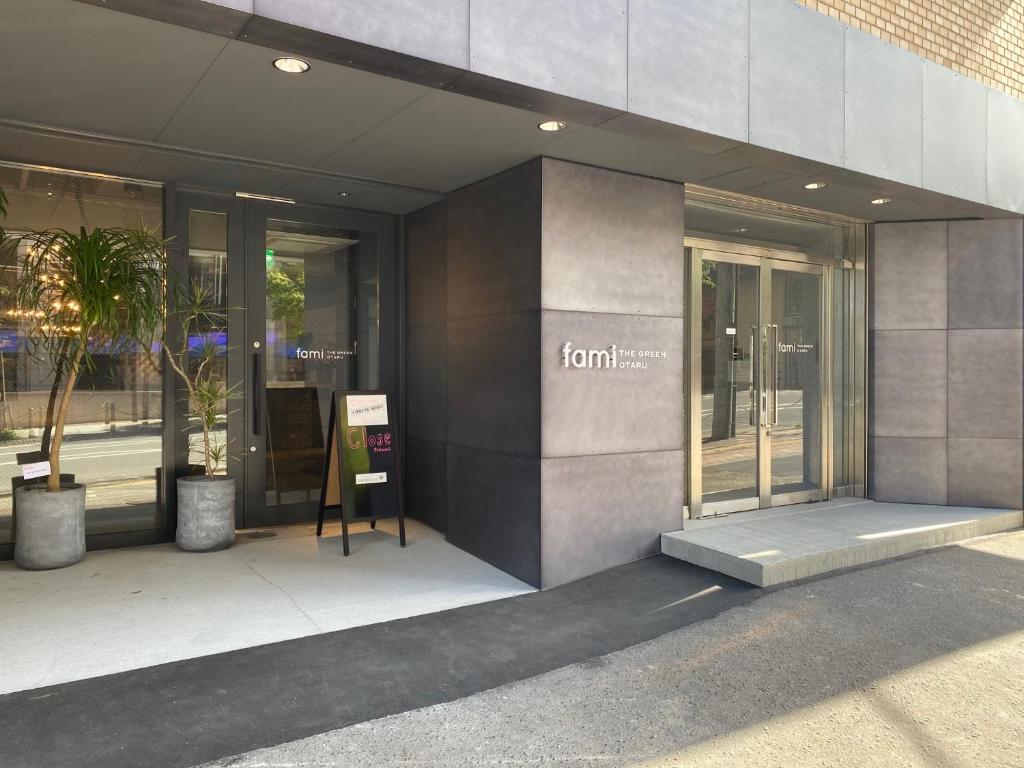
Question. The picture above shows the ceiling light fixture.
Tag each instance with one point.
(291, 65)
(552, 125)
(344, 194)
(816, 185)
(881, 200)
(266, 198)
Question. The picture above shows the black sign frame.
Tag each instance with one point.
(347, 451)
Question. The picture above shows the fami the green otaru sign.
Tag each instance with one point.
(361, 472)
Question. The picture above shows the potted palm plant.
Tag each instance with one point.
(81, 294)
(206, 499)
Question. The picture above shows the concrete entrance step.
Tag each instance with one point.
(771, 547)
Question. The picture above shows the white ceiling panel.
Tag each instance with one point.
(443, 142)
(80, 66)
(245, 107)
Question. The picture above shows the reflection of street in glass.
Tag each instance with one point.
(118, 467)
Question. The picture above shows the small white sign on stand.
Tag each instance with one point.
(35, 469)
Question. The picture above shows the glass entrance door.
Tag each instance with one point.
(756, 381)
(302, 292)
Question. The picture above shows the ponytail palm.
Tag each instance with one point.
(88, 293)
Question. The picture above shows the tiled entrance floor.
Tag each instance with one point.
(772, 547)
(124, 609)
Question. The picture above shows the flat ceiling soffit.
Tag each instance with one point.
(369, 127)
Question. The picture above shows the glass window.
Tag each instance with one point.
(113, 435)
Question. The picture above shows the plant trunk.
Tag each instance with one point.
(62, 359)
(53, 482)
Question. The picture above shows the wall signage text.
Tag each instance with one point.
(610, 358)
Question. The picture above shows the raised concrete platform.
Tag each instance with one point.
(776, 546)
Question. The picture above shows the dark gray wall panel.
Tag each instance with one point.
(985, 383)
(562, 46)
(425, 245)
(985, 472)
(612, 242)
(427, 381)
(907, 469)
(425, 482)
(689, 63)
(986, 274)
(590, 410)
(908, 397)
(494, 244)
(796, 81)
(437, 30)
(602, 511)
(909, 276)
(494, 383)
(493, 509)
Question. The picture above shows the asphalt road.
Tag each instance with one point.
(919, 662)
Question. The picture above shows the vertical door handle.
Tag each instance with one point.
(257, 416)
(774, 373)
(751, 390)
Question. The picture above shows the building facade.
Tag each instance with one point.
(622, 263)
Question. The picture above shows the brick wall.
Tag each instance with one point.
(983, 39)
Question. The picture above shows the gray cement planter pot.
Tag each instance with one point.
(50, 527)
(206, 513)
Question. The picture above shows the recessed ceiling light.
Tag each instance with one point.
(291, 65)
(881, 200)
(816, 185)
(344, 194)
(552, 125)
(740, 230)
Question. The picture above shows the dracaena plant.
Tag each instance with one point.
(86, 293)
(200, 319)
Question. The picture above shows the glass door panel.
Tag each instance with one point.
(795, 418)
(728, 401)
(320, 316)
(759, 353)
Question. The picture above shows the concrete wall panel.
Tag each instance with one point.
(493, 509)
(425, 247)
(494, 244)
(985, 473)
(908, 276)
(427, 381)
(494, 383)
(909, 384)
(612, 242)
(1005, 151)
(425, 482)
(884, 108)
(598, 410)
(796, 81)
(602, 511)
(438, 30)
(955, 116)
(985, 375)
(688, 63)
(907, 470)
(986, 274)
(562, 46)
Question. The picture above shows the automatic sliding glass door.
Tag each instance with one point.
(758, 368)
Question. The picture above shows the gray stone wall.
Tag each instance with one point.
(947, 363)
(548, 472)
(473, 369)
(611, 439)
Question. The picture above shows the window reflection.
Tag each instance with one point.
(113, 437)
